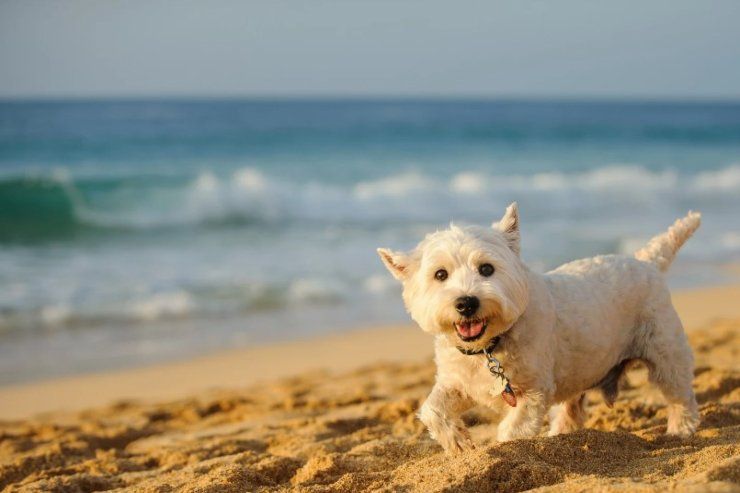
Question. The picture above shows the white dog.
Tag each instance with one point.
(538, 340)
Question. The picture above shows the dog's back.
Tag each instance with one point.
(607, 284)
(605, 287)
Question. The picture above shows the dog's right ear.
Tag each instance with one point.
(509, 226)
(396, 262)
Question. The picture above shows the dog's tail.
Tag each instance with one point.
(661, 250)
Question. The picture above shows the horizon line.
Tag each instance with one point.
(349, 97)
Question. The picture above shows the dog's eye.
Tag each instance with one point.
(486, 270)
(440, 275)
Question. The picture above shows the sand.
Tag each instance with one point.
(281, 423)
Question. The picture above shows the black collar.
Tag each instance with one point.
(489, 349)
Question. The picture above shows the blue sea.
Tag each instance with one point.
(138, 231)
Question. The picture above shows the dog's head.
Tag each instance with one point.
(467, 283)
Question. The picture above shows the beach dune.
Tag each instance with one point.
(338, 414)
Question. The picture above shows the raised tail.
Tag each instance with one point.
(662, 249)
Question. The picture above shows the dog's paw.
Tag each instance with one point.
(682, 422)
(456, 439)
(504, 435)
(561, 422)
(452, 436)
(507, 432)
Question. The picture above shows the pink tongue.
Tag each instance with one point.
(470, 329)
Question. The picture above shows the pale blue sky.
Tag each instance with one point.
(670, 49)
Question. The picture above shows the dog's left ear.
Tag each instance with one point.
(509, 226)
(396, 262)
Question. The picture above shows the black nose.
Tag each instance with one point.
(467, 305)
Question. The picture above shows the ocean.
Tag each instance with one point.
(138, 231)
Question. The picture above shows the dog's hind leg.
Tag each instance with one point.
(441, 414)
(671, 368)
(568, 416)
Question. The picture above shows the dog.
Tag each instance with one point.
(541, 340)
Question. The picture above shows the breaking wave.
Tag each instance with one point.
(56, 205)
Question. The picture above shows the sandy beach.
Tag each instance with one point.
(338, 414)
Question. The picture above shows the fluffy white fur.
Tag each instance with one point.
(562, 332)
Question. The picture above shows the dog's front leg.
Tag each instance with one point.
(441, 415)
(525, 420)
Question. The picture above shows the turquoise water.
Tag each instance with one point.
(134, 231)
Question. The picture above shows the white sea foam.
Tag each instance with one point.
(395, 186)
(380, 284)
(57, 314)
(468, 182)
(314, 290)
(250, 179)
(607, 179)
(731, 240)
(631, 244)
(626, 177)
(247, 194)
(162, 305)
(722, 180)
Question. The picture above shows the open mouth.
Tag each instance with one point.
(470, 330)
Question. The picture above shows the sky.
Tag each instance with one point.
(589, 49)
